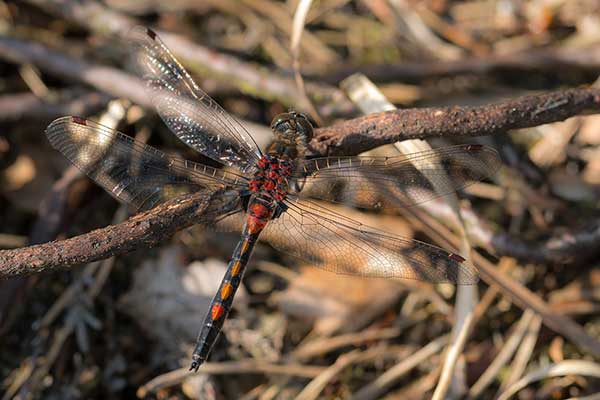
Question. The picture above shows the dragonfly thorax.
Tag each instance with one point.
(271, 178)
(269, 188)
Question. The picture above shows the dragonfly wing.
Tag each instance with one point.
(371, 182)
(342, 245)
(187, 110)
(132, 172)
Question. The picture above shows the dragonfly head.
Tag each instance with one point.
(292, 129)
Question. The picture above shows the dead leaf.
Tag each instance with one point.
(169, 300)
(337, 303)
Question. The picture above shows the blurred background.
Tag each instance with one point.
(125, 327)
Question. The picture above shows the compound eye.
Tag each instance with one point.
(306, 126)
(279, 119)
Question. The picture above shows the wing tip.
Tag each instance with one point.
(79, 121)
(473, 147)
(464, 273)
(150, 33)
(459, 259)
(50, 129)
(139, 33)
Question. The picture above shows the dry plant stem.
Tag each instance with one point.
(106, 79)
(513, 290)
(175, 377)
(563, 368)
(416, 389)
(370, 99)
(143, 230)
(361, 134)
(27, 105)
(505, 354)
(546, 59)
(8, 240)
(571, 247)
(318, 347)
(297, 29)
(379, 386)
(314, 388)
(524, 353)
(492, 291)
(248, 77)
(454, 353)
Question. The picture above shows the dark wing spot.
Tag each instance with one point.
(151, 33)
(456, 257)
(79, 120)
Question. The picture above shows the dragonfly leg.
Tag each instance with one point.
(281, 208)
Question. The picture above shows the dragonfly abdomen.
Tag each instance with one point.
(221, 303)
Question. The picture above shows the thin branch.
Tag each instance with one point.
(547, 60)
(142, 230)
(106, 79)
(361, 134)
(27, 105)
(250, 78)
(570, 247)
(513, 290)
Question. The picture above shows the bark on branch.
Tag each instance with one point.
(350, 137)
(361, 134)
(142, 230)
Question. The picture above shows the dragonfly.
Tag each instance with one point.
(278, 194)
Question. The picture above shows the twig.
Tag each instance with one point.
(248, 77)
(517, 293)
(502, 358)
(570, 247)
(532, 61)
(325, 345)
(361, 134)
(567, 367)
(314, 388)
(107, 79)
(28, 105)
(142, 230)
(524, 353)
(380, 385)
(175, 377)
(454, 352)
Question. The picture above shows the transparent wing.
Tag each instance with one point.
(188, 111)
(341, 245)
(396, 182)
(132, 172)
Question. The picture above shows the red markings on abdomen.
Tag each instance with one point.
(217, 311)
(79, 120)
(255, 225)
(226, 291)
(258, 217)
